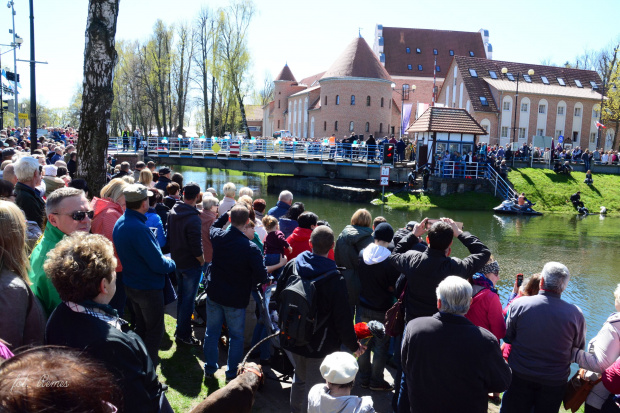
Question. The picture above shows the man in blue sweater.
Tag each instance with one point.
(144, 267)
(285, 200)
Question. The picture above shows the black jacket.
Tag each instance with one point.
(123, 354)
(332, 303)
(185, 236)
(163, 211)
(162, 183)
(378, 282)
(451, 365)
(425, 270)
(30, 202)
(120, 174)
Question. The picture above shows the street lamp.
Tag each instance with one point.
(514, 125)
(404, 95)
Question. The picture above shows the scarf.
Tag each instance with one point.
(480, 279)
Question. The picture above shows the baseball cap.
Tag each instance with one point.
(136, 192)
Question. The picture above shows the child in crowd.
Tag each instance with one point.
(339, 370)
(588, 179)
(275, 243)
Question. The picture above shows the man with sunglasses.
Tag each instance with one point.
(68, 211)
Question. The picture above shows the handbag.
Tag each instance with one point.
(395, 317)
(577, 390)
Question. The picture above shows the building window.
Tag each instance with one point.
(510, 77)
(405, 92)
(558, 133)
(521, 133)
(527, 78)
(278, 104)
(324, 125)
(575, 136)
(367, 100)
(438, 68)
(367, 127)
(278, 123)
(435, 52)
(544, 80)
(484, 101)
(336, 125)
(352, 100)
(540, 132)
(595, 113)
(418, 51)
(524, 107)
(325, 100)
(560, 110)
(351, 128)
(473, 73)
(451, 52)
(506, 105)
(578, 112)
(408, 50)
(471, 54)
(420, 67)
(504, 131)
(380, 127)
(337, 99)
(409, 67)
(593, 84)
(381, 102)
(493, 74)
(592, 137)
(561, 81)
(542, 109)
(578, 83)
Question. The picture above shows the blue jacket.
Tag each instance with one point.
(144, 265)
(279, 210)
(287, 226)
(153, 222)
(236, 269)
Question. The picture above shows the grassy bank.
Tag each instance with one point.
(469, 201)
(551, 191)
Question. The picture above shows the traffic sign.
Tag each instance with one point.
(385, 181)
(561, 139)
(22, 116)
(385, 171)
(216, 147)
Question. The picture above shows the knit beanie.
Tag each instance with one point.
(384, 232)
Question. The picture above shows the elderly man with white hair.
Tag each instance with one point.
(285, 200)
(27, 197)
(450, 364)
(543, 329)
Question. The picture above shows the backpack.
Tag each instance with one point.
(298, 310)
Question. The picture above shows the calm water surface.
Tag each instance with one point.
(588, 246)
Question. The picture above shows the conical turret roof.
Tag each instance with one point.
(286, 74)
(357, 60)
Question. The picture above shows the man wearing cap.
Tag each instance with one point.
(144, 267)
(339, 370)
(185, 239)
(164, 179)
(378, 281)
(7, 153)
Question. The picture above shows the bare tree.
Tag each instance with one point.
(205, 37)
(182, 70)
(265, 94)
(97, 97)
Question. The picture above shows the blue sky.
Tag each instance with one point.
(311, 35)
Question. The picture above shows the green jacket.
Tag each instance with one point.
(41, 284)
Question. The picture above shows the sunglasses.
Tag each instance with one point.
(79, 215)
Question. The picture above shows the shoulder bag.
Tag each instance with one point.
(577, 390)
(395, 317)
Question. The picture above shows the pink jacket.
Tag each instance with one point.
(207, 218)
(107, 212)
(486, 312)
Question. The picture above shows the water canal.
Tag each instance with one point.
(588, 246)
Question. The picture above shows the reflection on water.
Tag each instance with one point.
(586, 245)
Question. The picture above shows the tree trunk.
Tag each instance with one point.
(213, 93)
(614, 145)
(99, 61)
(242, 110)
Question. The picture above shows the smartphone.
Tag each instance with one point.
(430, 222)
(519, 279)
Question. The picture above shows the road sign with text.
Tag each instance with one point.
(385, 176)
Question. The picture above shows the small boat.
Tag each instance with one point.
(511, 208)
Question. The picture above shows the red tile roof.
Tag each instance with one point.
(396, 40)
(478, 86)
(286, 74)
(316, 104)
(357, 60)
(438, 119)
(311, 80)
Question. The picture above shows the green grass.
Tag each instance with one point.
(465, 201)
(182, 371)
(551, 191)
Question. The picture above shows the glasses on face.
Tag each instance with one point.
(79, 215)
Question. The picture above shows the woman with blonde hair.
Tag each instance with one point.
(108, 209)
(350, 242)
(146, 178)
(22, 321)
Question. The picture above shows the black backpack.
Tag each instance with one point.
(298, 311)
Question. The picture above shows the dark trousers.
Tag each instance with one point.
(125, 144)
(528, 396)
(148, 309)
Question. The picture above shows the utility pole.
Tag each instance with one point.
(11, 5)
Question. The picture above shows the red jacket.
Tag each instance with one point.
(299, 240)
(107, 212)
(486, 312)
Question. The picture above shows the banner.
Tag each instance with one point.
(406, 116)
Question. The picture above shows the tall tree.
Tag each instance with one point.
(205, 37)
(234, 50)
(97, 96)
(265, 94)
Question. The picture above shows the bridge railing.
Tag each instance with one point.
(458, 169)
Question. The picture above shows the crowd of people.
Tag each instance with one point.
(75, 265)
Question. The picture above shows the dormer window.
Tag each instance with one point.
(527, 78)
(493, 74)
(544, 80)
(593, 84)
(578, 83)
(473, 73)
(484, 101)
(510, 77)
(561, 81)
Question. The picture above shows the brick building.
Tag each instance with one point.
(553, 102)
(254, 117)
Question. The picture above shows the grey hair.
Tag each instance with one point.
(246, 191)
(556, 276)
(455, 295)
(285, 196)
(209, 201)
(55, 198)
(25, 168)
(230, 189)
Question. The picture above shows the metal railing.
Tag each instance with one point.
(257, 150)
(476, 170)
